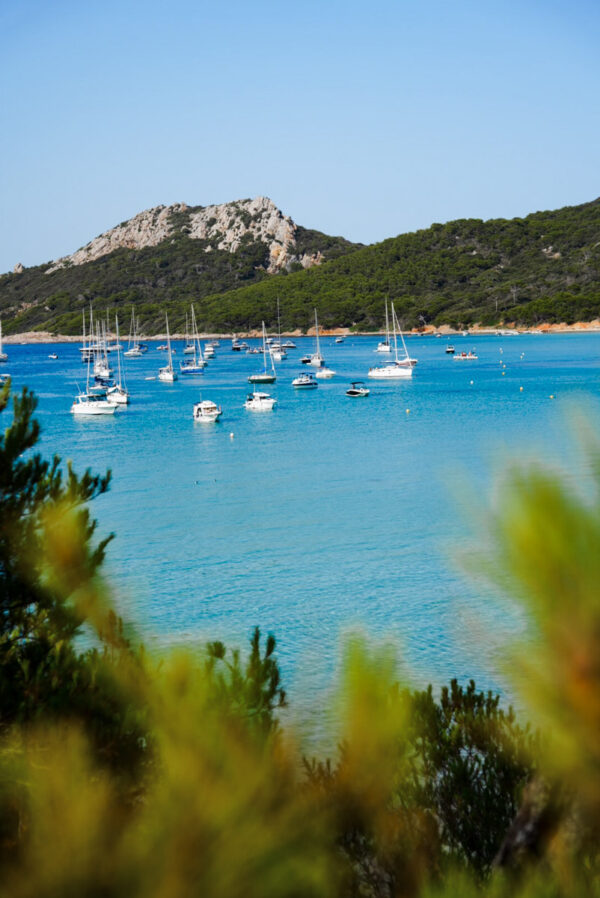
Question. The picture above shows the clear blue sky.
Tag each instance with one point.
(362, 119)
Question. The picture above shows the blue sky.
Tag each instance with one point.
(360, 119)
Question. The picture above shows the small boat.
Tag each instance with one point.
(450, 350)
(306, 359)
(168, 374)
(265, 376)
(90, 403)
(3, 355)
(305, 381)
(316, 359)
(260, 402)
(357, 389)
(339, 339)
(4, 378)
(207, 412)
(53, 355)
(254, 350)
(209, 351)
(465, 356)
(163, 347)
(288, 345)
(196, 364)
(385, 345)
(236, 346)
(135, 349)
(325, 373)
(399, 368)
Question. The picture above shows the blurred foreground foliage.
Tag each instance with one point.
(127, 774)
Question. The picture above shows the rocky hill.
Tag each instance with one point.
(234, 261)
(162, 255)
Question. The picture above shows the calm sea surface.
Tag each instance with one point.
(329, 513)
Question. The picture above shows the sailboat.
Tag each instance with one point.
(118, 393)
(134, 350)
(93, 401)
(316, 359)
(384, 345)
(189, 348)
(168, 374)
(195, 365)
(399, 367)
(3, 355)
(406, 360)
(277, 349)
(265, 376)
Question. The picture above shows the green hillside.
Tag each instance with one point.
(545, 267)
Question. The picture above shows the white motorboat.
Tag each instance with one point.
(289, 344)
(93, 404)
(260, 402)
(305, 381)
(209, 351)
(265, 376)
(400, 367)
(385, 345)
(449, 350)
(325, 373)
(53, 355)
(339, 339)
(197, 363)
(207, 412)
(167, 374)
(357, 389)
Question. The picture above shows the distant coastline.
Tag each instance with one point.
(428, 331)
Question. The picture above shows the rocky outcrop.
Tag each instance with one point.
(224, 227)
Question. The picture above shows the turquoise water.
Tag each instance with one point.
(327, 514)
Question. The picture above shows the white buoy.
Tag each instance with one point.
(231, 435)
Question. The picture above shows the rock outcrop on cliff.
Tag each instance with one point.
(224, 226)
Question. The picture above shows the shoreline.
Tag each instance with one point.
(444, 330)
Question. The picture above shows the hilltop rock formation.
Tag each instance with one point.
(223, 226)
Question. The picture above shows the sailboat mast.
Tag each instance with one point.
(317, 335)
(402, 338)
(169, 344)
(387, 324)
(394, 329)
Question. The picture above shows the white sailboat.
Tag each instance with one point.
(277, 349)
(3, 355)
(197, 363)
(134, 350)
(167, 374)
(92, 401)
(265, 376)
(384, 345)
(397, 369)
(316, 359)
(118, 393)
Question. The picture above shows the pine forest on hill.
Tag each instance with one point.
(542, 268)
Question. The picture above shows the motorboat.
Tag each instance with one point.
(305, 381)
(400, 367)
(236, 346)
(167, 374)
(90, 403)
(465, 356)
(53, 355)
(289, 344)
(325, 373)
(306, 359)
(450, 350)
(339, 339)
(357, 389)
(163, 347)
(260, 402)
(207, 412)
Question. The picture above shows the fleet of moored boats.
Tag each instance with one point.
(105, 391)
